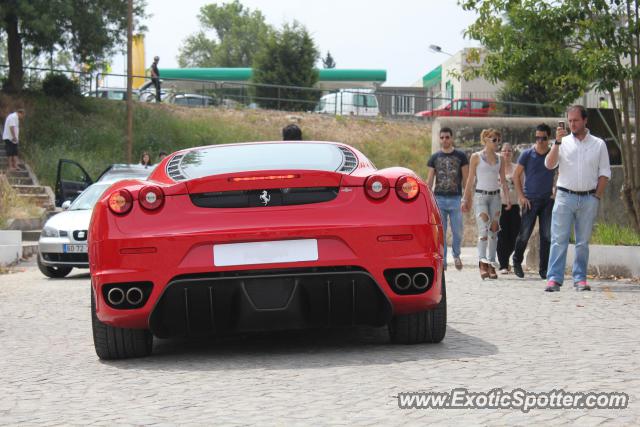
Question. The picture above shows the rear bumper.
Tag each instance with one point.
(180, 264)
(272, 300)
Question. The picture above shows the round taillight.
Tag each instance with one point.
(120, 202)
(151, 197)
(407, 187)
(376, 187)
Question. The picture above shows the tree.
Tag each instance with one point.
(239, 33)
(567, 48)
(287, 58)
(328, 61)
(89, 29)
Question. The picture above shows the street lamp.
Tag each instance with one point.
(438, 49)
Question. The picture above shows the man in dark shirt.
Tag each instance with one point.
(449, 168)
(535, 199)
(155, 77)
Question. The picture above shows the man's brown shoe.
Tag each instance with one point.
(492, 272)
(484, 270)
(458, 263)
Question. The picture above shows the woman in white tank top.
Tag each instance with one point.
(488, 170)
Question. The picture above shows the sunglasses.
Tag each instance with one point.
(494, 140)
(445, 137)
(542, 138)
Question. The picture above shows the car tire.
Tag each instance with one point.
(423, 327)
(118, 343)
(55, 272)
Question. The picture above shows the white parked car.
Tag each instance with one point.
(355, 102)
(193, 100)
(63, 240)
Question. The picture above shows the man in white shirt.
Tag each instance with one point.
(583, 173)
(11, 135)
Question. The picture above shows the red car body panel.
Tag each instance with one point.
(178, 238)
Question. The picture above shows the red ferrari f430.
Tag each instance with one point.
(265, 236)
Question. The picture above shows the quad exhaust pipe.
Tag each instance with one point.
(419, 281)
(117, 296)
(402, 281)
(134, 295)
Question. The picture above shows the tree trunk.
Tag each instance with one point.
(14, 52)
(630, 193)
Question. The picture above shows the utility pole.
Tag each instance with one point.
(129, 79)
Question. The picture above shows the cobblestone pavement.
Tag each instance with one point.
(506, 333)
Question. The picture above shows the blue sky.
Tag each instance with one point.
(390, 35)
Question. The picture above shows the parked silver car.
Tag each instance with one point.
(63, 240)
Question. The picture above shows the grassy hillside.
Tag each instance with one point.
(91, 131)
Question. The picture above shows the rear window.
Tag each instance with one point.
(116, 174)
(369, 101)
(476, 105)
(276, 156)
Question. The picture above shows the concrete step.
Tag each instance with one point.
(30, 235)
(4, 163)
(17, 174)
(29, 189)
(27, 223)
(20, 181)
(41, 200)
(29, 249)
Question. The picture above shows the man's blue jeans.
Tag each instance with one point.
(542, 210)
(449, 207)
(569, 211)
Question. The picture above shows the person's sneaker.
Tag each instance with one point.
(458, 263)
(582, 286)
(517, 269)
(504, 271)
(543, 274)
(552, 286)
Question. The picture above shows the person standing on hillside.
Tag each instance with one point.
(11, 137)
(536, 200)
(155, 76)
(583, 173)
(449, 168)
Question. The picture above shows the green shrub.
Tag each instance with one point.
(59, 85)
(613, 234)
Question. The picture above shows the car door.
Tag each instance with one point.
(71, 180)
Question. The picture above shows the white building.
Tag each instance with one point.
(445, 81)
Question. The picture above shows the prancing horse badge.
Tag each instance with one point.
(265, 197)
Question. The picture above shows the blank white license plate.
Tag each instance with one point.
(75, 248)
(265, 252)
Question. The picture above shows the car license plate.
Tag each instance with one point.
(265, 252)
(75, 248)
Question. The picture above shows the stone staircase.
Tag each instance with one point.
(26, 185)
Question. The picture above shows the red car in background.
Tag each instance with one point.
(470, 107)
(265, 236)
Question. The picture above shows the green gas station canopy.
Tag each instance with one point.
(327, 77)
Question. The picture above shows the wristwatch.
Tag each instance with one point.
(557, 142)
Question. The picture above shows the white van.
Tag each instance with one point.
(356, 102)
